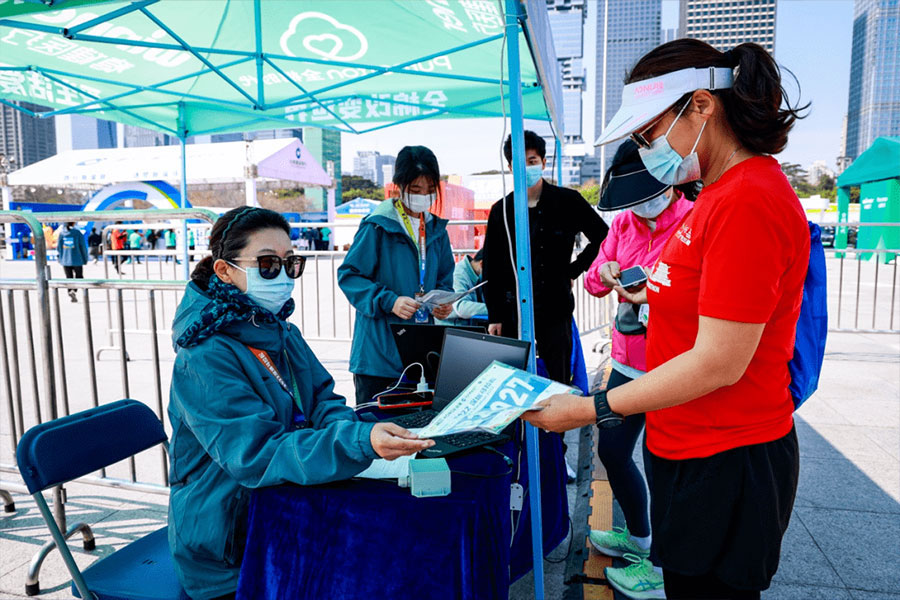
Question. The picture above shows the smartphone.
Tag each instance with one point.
(404, 399)
(633, 277)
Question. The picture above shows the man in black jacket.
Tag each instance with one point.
(555, 216)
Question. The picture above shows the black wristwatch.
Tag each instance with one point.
(606, 418)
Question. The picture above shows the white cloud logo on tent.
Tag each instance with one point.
(330, 39)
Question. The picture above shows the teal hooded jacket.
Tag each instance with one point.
(383, 264)
(232, 432)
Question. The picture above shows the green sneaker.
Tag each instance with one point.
(638, 580)
(617, 542)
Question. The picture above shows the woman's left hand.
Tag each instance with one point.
(563, 412)
(635, 297)
(442, 311)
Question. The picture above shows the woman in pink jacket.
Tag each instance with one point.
(636, 238)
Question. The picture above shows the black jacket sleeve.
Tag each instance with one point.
(497, 265)
(594, 227)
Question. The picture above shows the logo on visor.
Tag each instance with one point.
(649, 89)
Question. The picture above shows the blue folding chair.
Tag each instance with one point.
(58, 451)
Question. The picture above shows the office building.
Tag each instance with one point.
(135, 137)
(567, 24)
(816, 171)
(81, 132)
(726, 23)
(24, 139)
(626, 30)
(371, 165)
(873, 107)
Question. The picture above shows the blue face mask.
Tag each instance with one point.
(533, 174)
(652, 208)
(665, 164)
(271, 294)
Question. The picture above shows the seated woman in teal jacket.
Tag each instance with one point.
(395, 256)
(250, 404)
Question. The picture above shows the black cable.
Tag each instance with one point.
(569, 549)
(506, 459)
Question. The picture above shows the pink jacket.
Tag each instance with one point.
(630, 242)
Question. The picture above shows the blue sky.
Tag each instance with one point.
(812, 40)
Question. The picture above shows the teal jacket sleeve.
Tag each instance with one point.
(466, 307)
(82, 248)
(243, 435)
(328, 407)
(357, 275)
(446, 264)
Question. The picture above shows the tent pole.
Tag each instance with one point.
(182, 137)
(559, 167)
(523, 271)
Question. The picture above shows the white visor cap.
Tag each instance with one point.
(642, 101)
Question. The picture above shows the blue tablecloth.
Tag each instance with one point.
(372, 539)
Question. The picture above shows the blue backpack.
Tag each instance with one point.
(812, 326)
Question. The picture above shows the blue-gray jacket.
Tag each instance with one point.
(72, 249)
(382, 264)
(232, 432)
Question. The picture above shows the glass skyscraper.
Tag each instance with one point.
(873, 108)
(726, 23)
(626, 30)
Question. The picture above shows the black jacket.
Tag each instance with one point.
(559, 216)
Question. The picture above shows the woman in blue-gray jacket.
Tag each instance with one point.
(250, 404)
(400, 251)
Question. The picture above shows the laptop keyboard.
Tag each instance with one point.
(468, 438)
(415, 420)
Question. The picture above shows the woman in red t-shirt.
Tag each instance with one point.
(724, 300)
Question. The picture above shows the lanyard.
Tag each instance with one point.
(266, 361)
(409, 229)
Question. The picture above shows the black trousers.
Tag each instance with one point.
(553, 345)
(718, 521)
(74, 272)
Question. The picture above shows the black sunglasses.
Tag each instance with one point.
(270, 265)
(638, 136)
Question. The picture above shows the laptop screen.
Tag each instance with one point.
(465, 355)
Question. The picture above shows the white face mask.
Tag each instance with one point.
(418, 202)
(652, 208)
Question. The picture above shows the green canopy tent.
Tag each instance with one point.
(877, 173)
(210, 66)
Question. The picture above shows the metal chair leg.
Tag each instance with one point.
(8, 504)
(32, 586)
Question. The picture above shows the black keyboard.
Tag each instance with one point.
(415, 420)
(468, 438)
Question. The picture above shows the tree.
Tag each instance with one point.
(354, 186)
(590, 192)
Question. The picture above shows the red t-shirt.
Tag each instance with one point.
(740, 255)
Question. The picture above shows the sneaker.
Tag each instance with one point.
(72, 296)
(638, 580)
(570, 473)
(617, 542)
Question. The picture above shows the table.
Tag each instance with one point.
(372, 539)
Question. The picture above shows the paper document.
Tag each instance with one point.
(387, 469)
(493, 400)
(438, 297)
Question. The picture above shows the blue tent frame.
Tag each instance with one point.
(532, 22)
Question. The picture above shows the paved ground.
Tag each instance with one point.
(844, 535)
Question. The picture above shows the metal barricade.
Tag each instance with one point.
(862, 299)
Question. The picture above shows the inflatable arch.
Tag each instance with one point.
(158, 193)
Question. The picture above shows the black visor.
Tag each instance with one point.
(627, 182)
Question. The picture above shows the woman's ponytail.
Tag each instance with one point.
(753, 105)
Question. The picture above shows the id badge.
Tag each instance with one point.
(421, 312)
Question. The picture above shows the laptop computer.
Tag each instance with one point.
(421, 343)
(464, 355)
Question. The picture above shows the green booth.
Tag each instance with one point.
(877, 174)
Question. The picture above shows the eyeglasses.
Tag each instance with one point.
(270, 265)
(638, 136)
